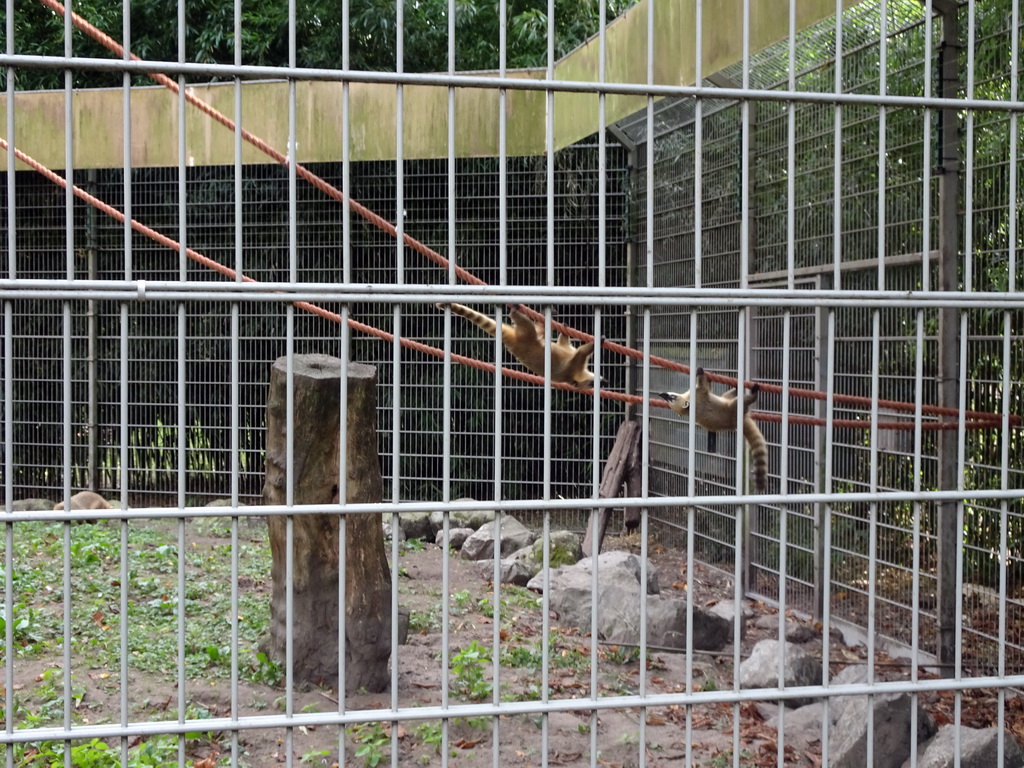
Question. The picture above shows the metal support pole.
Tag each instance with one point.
(92, 427)
(821, 546)
(948, 172)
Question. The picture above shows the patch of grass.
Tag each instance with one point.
(513, 598)
(411, 545)
(462, 601)
(152, 752)
(153, 601)
(430, 734)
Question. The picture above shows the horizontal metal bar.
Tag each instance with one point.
(506, 709)
(855, 265)
(228, 71)
(516, 505)
(425, 293)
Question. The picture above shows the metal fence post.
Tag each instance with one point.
(948, 374)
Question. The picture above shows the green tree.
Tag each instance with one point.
(318, 34)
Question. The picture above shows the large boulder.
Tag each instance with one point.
(456, 537)
(978, 749)
(890, 715)
(611, 566)
(564, 549)
(416, 525)
(619, 597)
(514, 535)
(761, 669)
(468, 518)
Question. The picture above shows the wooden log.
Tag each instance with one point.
(633, 480)
(314, 560)
(615, 470)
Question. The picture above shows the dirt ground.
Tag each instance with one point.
(567, 737)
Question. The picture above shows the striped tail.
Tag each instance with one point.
(478, 319)
(758, 454)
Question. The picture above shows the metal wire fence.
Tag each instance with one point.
(152, 472)
(811, 217)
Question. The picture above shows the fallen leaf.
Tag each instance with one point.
(209, 761)
(465, 743)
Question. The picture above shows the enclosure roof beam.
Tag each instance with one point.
(96, 121)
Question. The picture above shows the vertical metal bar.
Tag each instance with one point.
(825, 527)
(961, 377)
(645, 414)
(948, 374)
(602, 245)
(92, 332)
(12, 263)
(182, 357)
(69, 229)
(549, 155)
(124, 360)
(346, 250)
(876, 331)
(235, 374)
(446, 410)
(783, 509)
(926, 234)
(293, 256)
(498, 410)
(396, 475)
(1011, 283)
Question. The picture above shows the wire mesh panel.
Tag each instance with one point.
(153, 467)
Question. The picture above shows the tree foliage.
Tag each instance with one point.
(319, 34)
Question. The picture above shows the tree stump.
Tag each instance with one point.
(314, 559)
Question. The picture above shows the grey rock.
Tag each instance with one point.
(456, 537)
(978, 749)
(224, 503)
(619, 600)
(386, 522)
(564, 549)
(611, 567)
(619, 621)
(480, 546)
(726, 609)
(795, 631)
(512, 571)
(761, 669)
(851, 674)
(416, 525)
(802, 725)
(32, 505)
(470, 518)
(890, 715)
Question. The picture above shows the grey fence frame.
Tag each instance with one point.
(696, 300)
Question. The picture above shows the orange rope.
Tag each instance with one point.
(216, 266)
(378, 221)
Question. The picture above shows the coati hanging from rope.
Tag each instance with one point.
(525, 340)
(717, 413)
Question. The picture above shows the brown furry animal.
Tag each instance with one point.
(85, 500)
(525, 340)
(717, 413)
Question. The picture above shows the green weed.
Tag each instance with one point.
(467, 667)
